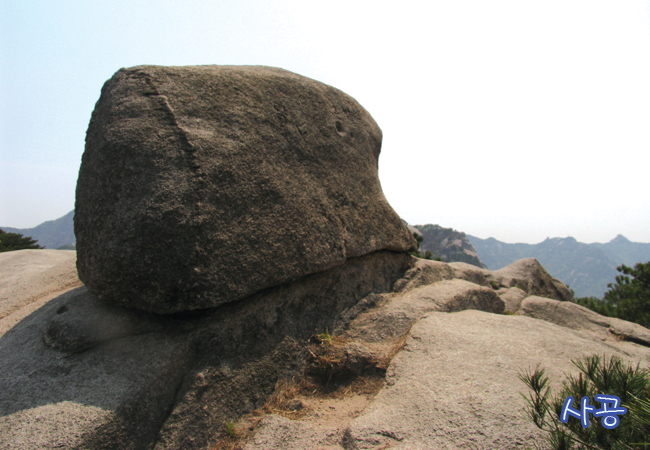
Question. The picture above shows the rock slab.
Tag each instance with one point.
(27, 276)
(455, 384)
(203, 185)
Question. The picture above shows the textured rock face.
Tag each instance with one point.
(448, 244)
(578, 317)
(83, 374)
(527, 275)
(456, 385)
(203, 185)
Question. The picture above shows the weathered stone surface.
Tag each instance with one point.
(255, 328)
(84, 322)
(455, 384)
(529, 275)
(512, 298)
(113, 395)
(27, 276)
(578, 317)
(81, 373)
(525, 274)
(279, 433)
(203, 185)
(424, 272)
(396, 313)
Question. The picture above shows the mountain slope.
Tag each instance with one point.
(624, 251)
(51, 234)
(448, 244)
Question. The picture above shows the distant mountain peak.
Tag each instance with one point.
(51, 234)
(620, 239)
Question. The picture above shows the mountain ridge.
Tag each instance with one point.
(587, 268)
(51, 234)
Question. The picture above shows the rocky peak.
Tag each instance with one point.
(620, 239)
(448, 244)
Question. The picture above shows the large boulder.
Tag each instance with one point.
(203, 185)
(526, 274)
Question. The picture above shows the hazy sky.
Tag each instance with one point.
(516, 119)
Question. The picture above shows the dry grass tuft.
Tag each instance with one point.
(329, 373)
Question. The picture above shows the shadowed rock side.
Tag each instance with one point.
(81, 373)
(203, 185)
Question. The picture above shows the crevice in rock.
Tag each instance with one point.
(187, 145)
(272, 325)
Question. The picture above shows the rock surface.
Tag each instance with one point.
(203, 185)
(117, 391)
(527, 275)
(455, 384)
(31, 277)
(513, 283)
(448, 244)
(81, 373)
(578, 317)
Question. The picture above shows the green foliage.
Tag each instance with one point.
(427, 255)
(628, 298)
(323, 338)
(597, 376)
(14, 241)
(639, 411)
(229, 429)
(630, 295)
(597, 305)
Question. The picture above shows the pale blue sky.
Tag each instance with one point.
(516, 119)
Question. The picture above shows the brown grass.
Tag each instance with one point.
(325, 376)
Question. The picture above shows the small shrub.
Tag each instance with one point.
(324, 338)
(597, 376)
(229, 429)
(628, 298)
(418, 254)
